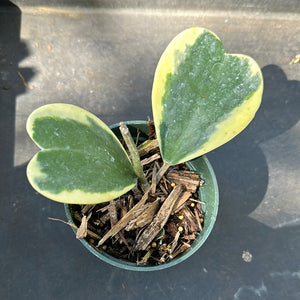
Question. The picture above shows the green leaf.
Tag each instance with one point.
(201, 96)
(81, 161)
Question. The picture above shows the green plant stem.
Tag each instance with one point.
(134, 154)
(162, 171)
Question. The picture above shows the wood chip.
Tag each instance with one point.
(147, 146)
(130, 202)
(159, 221)
(151, 128)
(103, 209)
(154, 183)
(189, 237)
(150, 159)
(82, 230)
(198, 219)
(189, 219)
(143, 216)
(104, 218)
(137, 136)
(295, 60)
(124, 209)
(164, 181)
(89, 232)
(162, 171)
(163, 189)
(182, 248)
(112, 211)
(190, 180)
(87, 208)
(174, 242)
(124, 221)
(181, 201)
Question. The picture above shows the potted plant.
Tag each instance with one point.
(201, 98)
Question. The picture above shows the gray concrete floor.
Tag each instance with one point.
(103, 59)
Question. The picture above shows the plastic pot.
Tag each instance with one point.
(208, 194)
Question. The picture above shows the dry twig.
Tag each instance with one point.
(159, 221)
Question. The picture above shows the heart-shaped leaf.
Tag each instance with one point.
(81, 160)
(201, 96)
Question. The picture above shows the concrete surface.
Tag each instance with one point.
(102, 58)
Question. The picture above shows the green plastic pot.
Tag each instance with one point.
(208, 194)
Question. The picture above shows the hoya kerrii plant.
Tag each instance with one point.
(201, 98)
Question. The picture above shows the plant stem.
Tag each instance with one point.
(134, 154)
